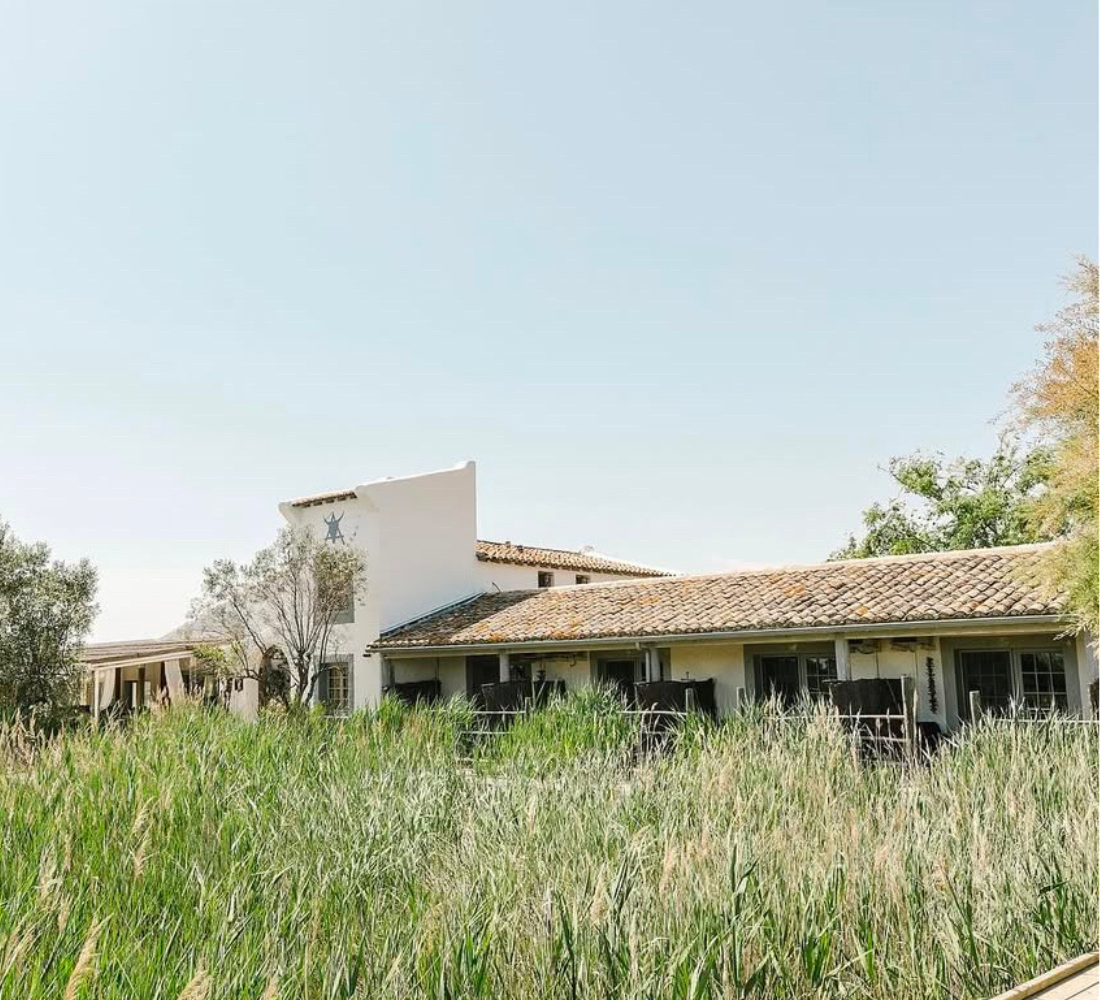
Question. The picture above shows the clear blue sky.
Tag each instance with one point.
(680, 276)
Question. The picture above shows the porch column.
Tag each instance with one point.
(1087, 671)
(95, 695)
(505, 668)
(173, 679)
(843, 664)
(652, 664)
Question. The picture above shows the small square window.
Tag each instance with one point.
(546, 578)
(583, 578)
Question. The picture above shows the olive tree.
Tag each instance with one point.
(280, 612)
(46, 610)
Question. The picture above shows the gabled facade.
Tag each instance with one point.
(418, 535)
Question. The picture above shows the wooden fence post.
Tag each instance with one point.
(975, 706)
(740, 700)
(689, 699)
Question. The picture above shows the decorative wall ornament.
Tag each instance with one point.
(933, 701)
(332, 522)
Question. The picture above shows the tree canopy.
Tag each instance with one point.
(46, 611)
(1059, 401)
(967, 503)
(1041, 484)
(282, 607)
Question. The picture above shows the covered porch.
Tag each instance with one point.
(1037, 671)
(125, 677)
(642, 675)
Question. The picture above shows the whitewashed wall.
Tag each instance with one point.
(506, 576)
(892, 662)
(725, 663)
(418, 534)
(419, 537)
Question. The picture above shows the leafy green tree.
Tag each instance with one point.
(968, 503)
(46, 610)
(1059, 400)
(282, 610)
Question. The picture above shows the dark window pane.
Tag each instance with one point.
(989, 672)
(820, 672)
(779, 678)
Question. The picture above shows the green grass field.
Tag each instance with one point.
(191, 854)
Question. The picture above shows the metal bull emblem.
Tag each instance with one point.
(332, 522)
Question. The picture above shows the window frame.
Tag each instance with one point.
(548, 576)
(803, 674)
(1059, 699)
(344, 663)
(1018, 698)
(581, 579)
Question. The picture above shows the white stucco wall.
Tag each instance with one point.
(419, 537)
(449, 670)
(572, 667)
(893, 662)
(725, 663)
(507, 576)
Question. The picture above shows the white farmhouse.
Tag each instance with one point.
(444, 613)
(419, 537)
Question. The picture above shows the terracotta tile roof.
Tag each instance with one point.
(532, 555)
(975, 584)
(319, 498)
(97, 654)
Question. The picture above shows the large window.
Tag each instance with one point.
(789, 676)
(1043, 680)
(1032, 679)
(779, 678)
(481, 670)
(989, 672)
(620, 671)
(336, 688)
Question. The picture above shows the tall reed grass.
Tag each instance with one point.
(192, 854)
